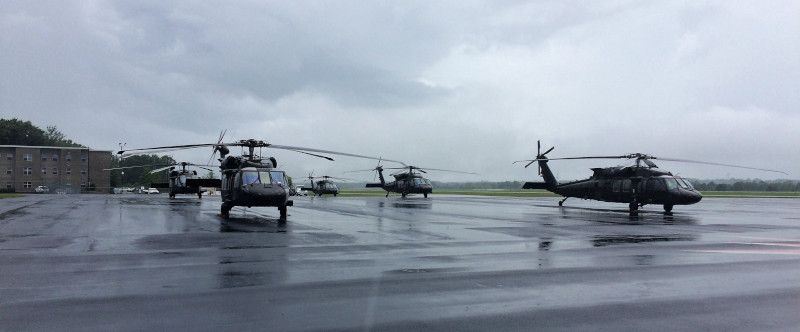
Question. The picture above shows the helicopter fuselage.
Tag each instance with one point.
(635, 185)
(324, 187)
(253, 183)
(404, 184)
(186, 182)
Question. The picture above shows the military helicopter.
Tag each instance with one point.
(638, 184)
(251, 180)
(181, 181)
(184, 181)
(324, 186)
(407, 181)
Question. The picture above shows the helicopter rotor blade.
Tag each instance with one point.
(216, 147)
(168, 148)
(313, 154)
(423, 169)
(161, 169)
(718, 164)
(307, 150)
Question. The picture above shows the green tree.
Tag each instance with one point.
(18, 132)
(137, 171)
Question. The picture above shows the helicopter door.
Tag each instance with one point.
(656, 189)
(626, 190)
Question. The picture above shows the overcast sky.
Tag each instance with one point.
(462, 85)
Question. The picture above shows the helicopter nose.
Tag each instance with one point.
(693, 197)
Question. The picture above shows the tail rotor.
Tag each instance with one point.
(539, 155)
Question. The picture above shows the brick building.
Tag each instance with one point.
(61, 169)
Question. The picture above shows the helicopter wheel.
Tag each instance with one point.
(425, 194)
(633, 206)
(387, 194)
(668, 208)
(226, 209)
(200, 195)
(334, 195)
(282, 210)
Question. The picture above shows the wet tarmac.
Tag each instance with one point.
(455, 263)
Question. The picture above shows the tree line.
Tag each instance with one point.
(18, 132)
(701, 185)
(747, 185)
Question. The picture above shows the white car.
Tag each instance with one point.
(152, 191)
(42, 189)
(299, 191)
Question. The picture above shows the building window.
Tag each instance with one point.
(27, 157)
(27, 171)
(83, 171)
(83, 184)
(9, 185)
(69, 170)
(9, 156)
(55, 157)
(10, 170)
(55, 170)
(44, 157)
(44, 170)
(27, 184)
(69, 157)
(83, 158)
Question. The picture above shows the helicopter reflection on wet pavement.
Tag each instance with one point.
(444, 262)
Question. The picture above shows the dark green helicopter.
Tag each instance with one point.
(326, 186)
(407, 181)
(639, 184)
(181, 181)
(251, 180)
(184, 181)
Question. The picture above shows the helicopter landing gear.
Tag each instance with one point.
(200, 195)
(634, 208)
(225, 210)
(282, 210)
(387, 194)
(668, 209)
(425, 194)
(561, 202)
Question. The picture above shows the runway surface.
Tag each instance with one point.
(456, 263)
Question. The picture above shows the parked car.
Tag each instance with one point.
(152, 191)
(299, 191)
(42, 189)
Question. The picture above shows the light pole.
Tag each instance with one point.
(122, 173)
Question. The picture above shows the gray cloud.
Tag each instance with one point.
(463, 85)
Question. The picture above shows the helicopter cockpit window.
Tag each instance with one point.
(671, 183)
(277, 178)
(182, 180)
(250, 177)
(684, 183)
(417, 181)
(330, 186)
